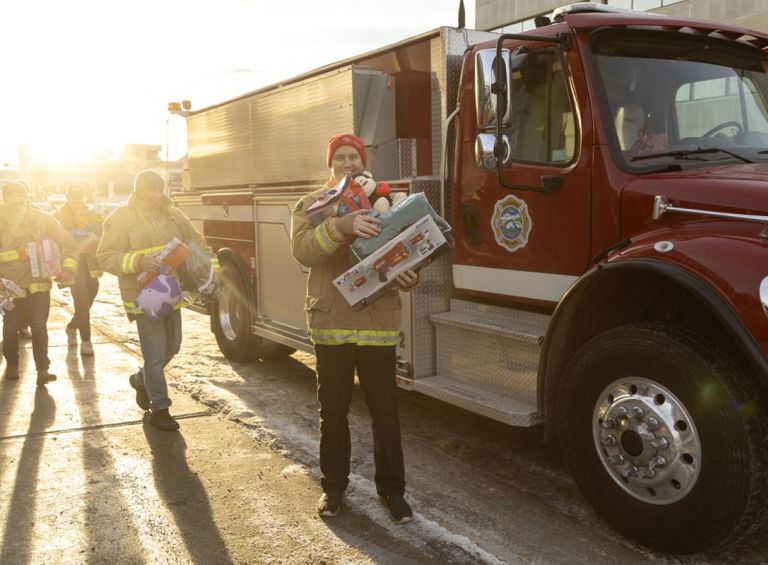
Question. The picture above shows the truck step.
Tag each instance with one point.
(491, 348)
(530, 326)
(475, 399)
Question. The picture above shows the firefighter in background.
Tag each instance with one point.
(347, 342)
(20, 225)
(133, 235)
(85, 226)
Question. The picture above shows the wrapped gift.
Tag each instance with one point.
(395, 220)
(9, 292)
(413, 248)
(34, 260)
(171, 256)
(51, 257)
(44, 259)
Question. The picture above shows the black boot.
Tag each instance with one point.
(44, 377)
(162, 420)
(142, 399)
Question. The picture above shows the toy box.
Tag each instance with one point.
(44, 259)
(347, 196)
(172, 256)
(413, 248)
(393, 221)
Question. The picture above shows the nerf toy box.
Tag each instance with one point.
(413, 248)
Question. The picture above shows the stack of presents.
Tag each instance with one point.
(412, 235)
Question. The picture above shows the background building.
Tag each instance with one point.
(108, 178)
(513, 16)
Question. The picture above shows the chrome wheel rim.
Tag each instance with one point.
(647, 441)
(229, 313)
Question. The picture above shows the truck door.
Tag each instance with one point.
(518, 240)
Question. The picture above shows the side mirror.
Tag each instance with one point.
(485, 151)
(485, 97)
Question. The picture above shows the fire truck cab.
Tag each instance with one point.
(605, 179)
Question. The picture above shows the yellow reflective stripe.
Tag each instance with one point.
(39, 287)
(215, 264)
(130, 261)
(324, 239)
(95, 274)
(147, 250)
(69, 263)
(10, 255)
(126, 263)
(360, 337)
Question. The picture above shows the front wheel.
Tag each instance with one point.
(232, 316)
(664, 435)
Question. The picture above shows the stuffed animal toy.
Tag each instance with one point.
(160, 296)
(379, 193)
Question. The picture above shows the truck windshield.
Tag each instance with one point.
(673, 100)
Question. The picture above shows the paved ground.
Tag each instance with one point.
(85, 479)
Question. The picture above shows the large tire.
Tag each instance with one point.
(232, 316)
(687, 471)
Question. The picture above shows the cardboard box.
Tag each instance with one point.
(413, 248)
(172, 256)
(44, 259)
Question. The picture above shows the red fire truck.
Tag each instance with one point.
(605, 178)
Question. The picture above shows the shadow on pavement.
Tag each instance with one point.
(104, 507)
(21, 508)
(184, 496)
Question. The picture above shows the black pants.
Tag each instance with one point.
(35, 308)
(375, 366)
(84, 292)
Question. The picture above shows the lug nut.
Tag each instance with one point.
(608, 441)
(617, 459)
(636, 412)
(652, 423)
(632, 472)
(608, 424)
(660, 443)
(619, 412)
(647, 473)
(657, 462)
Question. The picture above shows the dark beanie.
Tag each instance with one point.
(147, 180)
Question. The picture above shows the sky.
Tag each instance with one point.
(83, 77)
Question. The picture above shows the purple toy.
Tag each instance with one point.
(160, 296)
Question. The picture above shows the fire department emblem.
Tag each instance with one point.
(511, 223)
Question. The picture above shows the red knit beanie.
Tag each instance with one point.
(345, 139)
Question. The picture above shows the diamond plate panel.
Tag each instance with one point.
(430, 296)
(488, 362)
(434, 291)
(479, 401)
